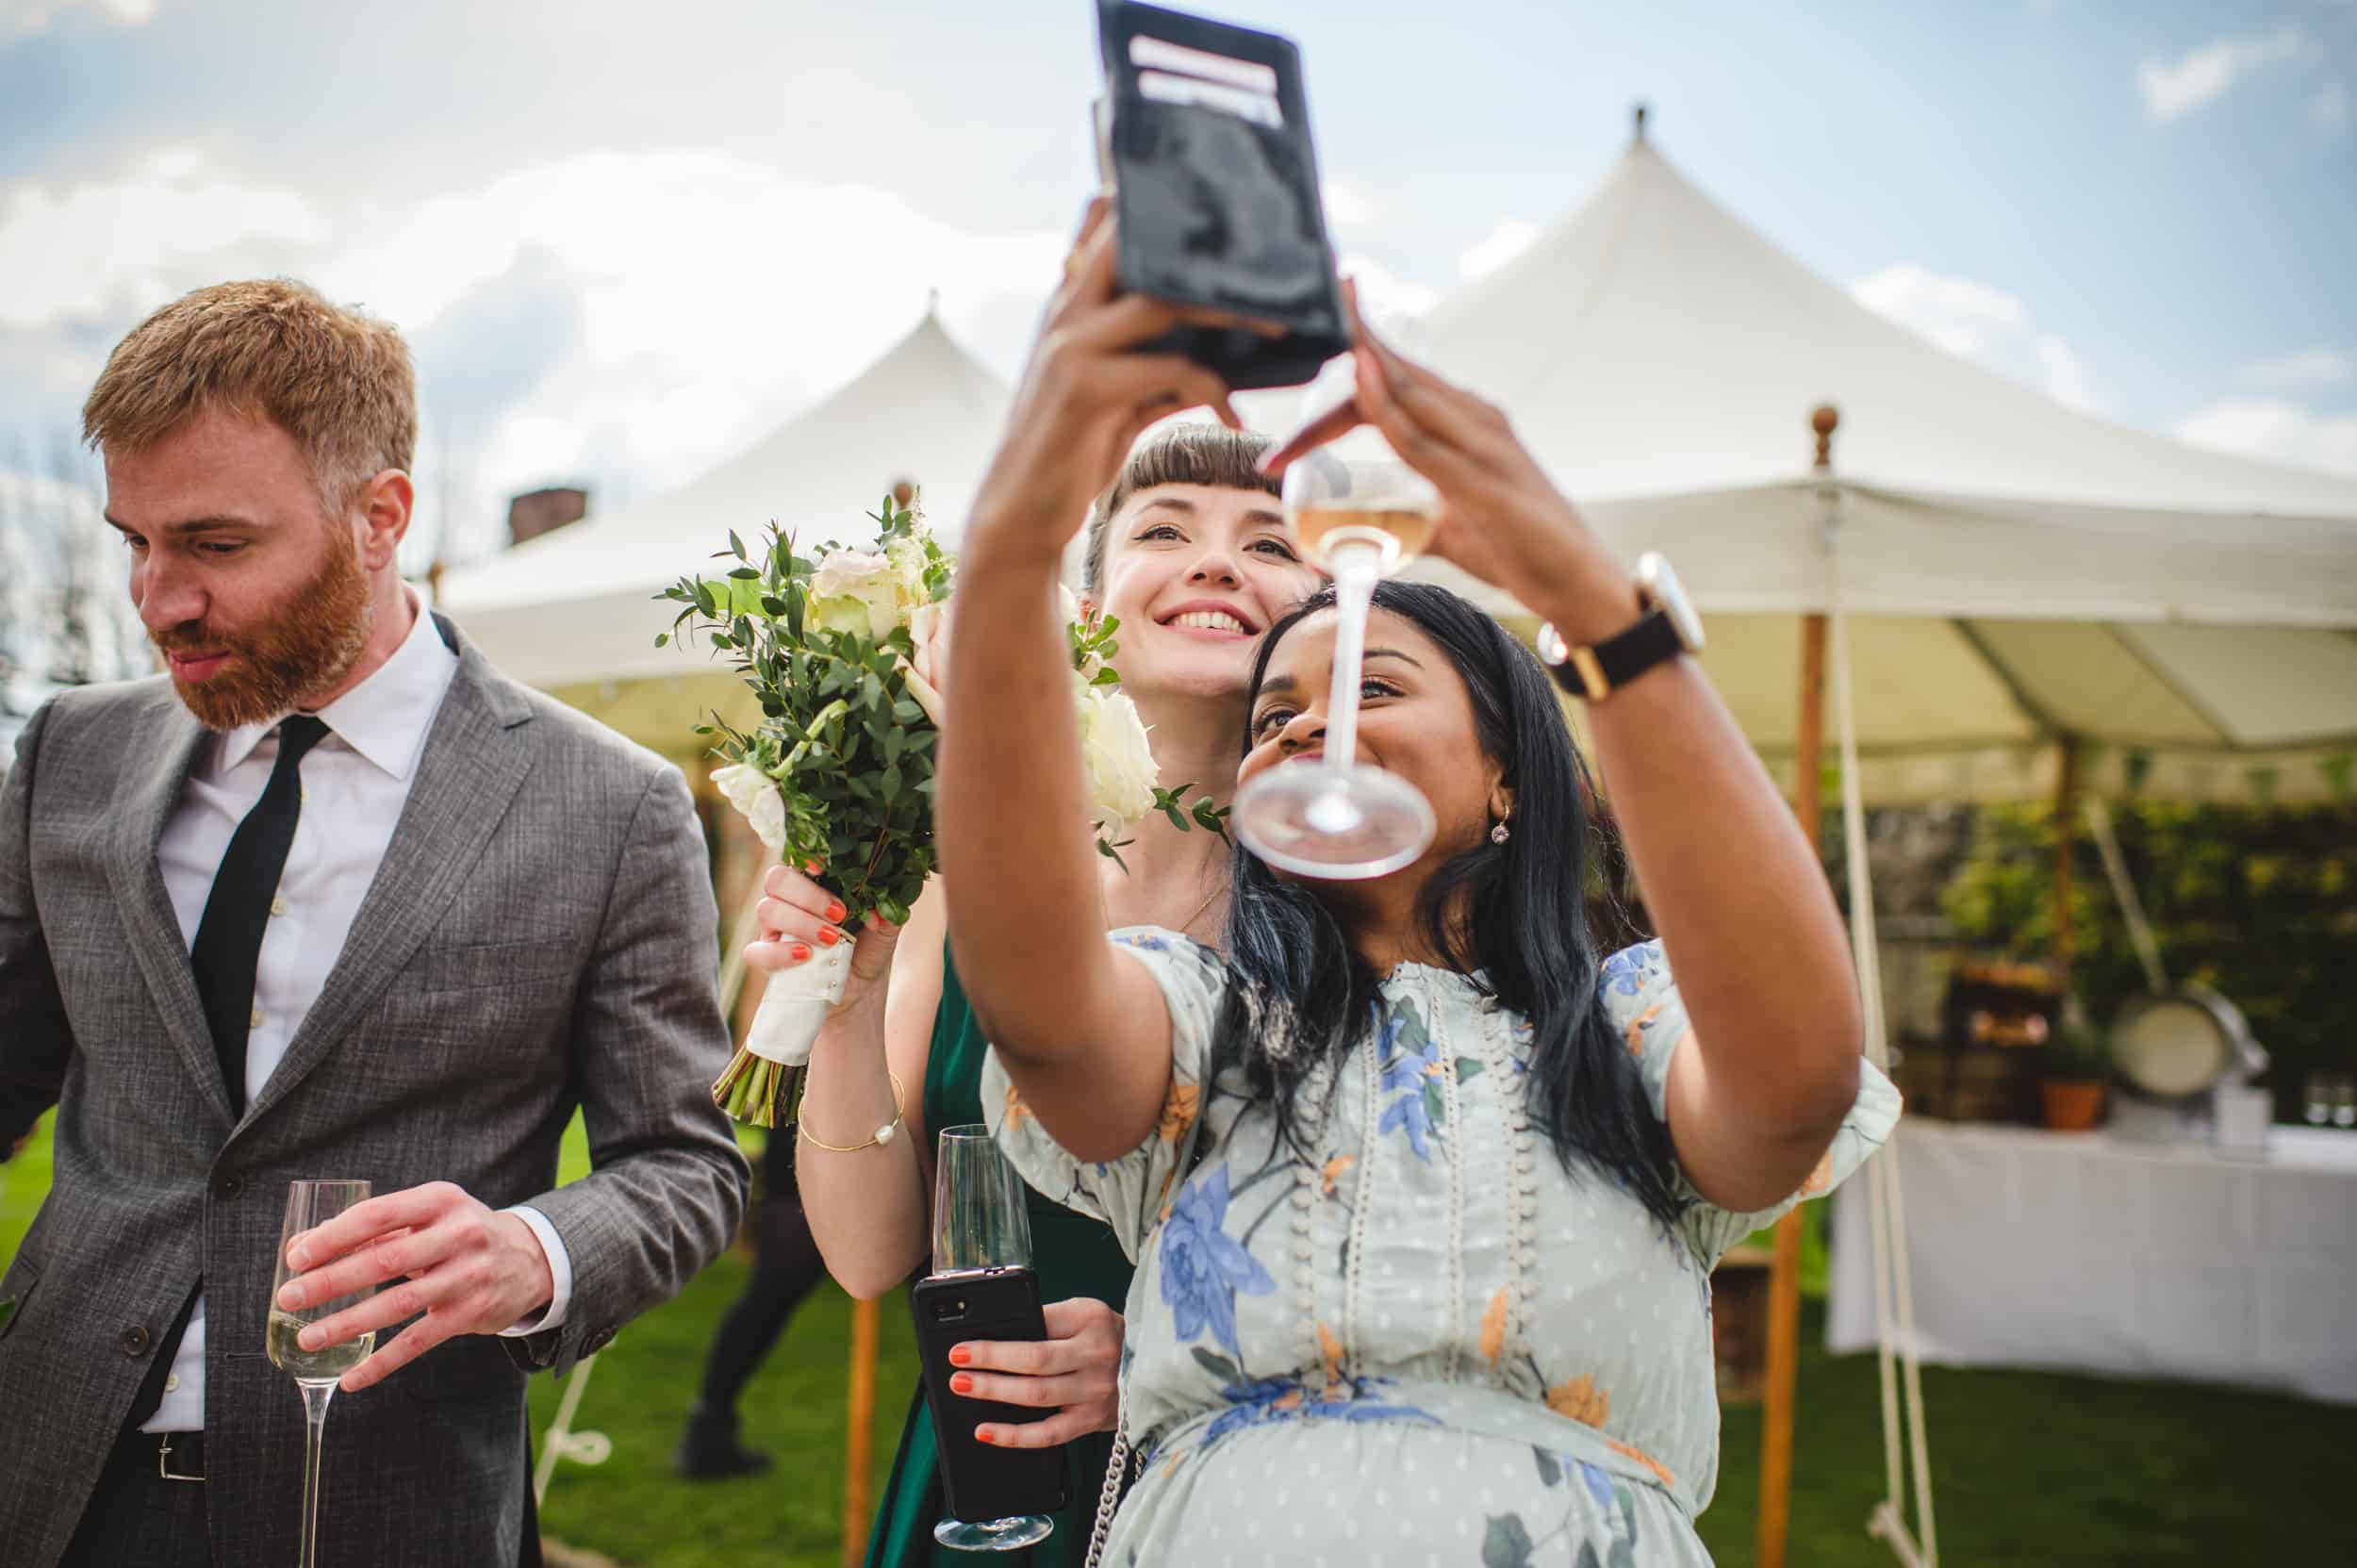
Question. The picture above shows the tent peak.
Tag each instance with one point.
(1826, 420)
(1638, 118)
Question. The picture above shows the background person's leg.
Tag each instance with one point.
(786, 1269)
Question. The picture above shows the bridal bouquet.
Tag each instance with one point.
(842, 648)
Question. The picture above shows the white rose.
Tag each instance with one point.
(1119, 757)
(856, 591)
(928, 629)
(755, 794)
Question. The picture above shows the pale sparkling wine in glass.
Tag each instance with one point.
(309, 1205)
(1362, 514)
(1401, 532)
(325, 1364)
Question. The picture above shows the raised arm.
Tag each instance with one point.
(1770, 1065)
(1082, 1031)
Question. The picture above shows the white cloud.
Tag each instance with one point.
(623, 318)
(1985, 324)
(2308, 368)
(1494, 250)
(2276, 429)
(1386, 296)
(33, 16)
(2205, 74)
(1348, 204)
(714, 294)
(2329, 110)
(76, 251)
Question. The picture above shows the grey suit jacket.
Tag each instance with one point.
(541, 935)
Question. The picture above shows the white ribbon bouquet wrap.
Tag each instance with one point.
(842, 650)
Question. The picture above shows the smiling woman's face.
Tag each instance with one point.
(1196, 573)
(1415, 721)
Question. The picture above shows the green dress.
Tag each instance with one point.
(1074, 1256)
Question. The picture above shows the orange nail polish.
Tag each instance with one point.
(828, 935)
(801, 951)
(981, 1434)
(960, 1355)
(961, 1382)
(813, 868)
(835, 910)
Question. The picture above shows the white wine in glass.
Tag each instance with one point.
(309, 1205)
(1362, 514)
(1397, 529)
(326, 1364)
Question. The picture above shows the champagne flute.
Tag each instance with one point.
(980, 1224)
(1362, 515)
(311, 1204)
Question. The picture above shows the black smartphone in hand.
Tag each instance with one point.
(1203, 137)
(981, 1483)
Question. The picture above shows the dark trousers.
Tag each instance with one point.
(786, 1269)
(137, 1519)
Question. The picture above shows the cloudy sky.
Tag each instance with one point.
(624, 237)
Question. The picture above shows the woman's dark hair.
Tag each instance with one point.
(1184, 454)
(1520, 912)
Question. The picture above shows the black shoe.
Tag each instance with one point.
(708, 1449)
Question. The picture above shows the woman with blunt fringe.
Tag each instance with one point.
(1189, 549)
(1424, 1189)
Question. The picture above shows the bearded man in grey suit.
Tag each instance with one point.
(332, 899)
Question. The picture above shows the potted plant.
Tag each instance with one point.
(2072, 1087)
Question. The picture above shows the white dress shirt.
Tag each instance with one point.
(355, 785)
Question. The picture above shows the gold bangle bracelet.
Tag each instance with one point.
(882, 1136)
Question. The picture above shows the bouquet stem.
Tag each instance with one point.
(764, 1082)
(759, 1091)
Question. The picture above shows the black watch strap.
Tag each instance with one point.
(1596, 672)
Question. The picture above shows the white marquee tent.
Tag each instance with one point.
(2014, 571)
(576, 606)
(2007, 582)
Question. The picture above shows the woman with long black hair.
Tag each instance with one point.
(1424, 1190)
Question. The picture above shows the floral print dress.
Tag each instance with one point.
(1430, 1344)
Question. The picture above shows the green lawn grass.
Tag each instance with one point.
(2029, 1468)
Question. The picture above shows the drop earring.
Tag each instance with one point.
(1498, 833)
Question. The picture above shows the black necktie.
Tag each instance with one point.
(229, 937)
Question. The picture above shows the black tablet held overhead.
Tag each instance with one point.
(1205, 136)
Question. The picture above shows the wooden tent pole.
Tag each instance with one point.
(1784, 1273)
(859, 1403)
(859, 1447)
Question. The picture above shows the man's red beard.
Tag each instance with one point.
(302, 645)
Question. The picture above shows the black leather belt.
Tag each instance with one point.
(179, 1456)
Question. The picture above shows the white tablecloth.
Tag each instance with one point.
(2092, 1253)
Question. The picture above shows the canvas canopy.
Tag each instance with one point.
(2013, 570)
(575, 607)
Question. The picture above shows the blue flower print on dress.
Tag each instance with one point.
(1625, 971)
(1271, 1400)
(1203, 1267)
(1410, 1074)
